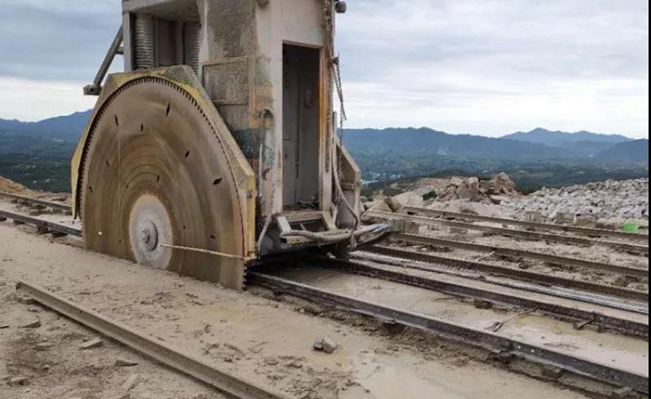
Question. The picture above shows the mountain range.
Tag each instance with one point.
(62, 127)
(538, 143)
(38, 153)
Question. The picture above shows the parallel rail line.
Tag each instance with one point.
(524, 275)
(184, 363)
(504, 347)
(559, 260)
(500, 281)
(376, 216)
(590, 232)
(524, 301)
(34, 201)
(44, 226)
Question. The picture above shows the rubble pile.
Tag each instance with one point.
(603, 200)
(431, 191)
(474, 190)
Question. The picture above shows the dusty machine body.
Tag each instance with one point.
(217, 145)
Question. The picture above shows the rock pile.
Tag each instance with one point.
(603, 200)
(431, 191)
(474, 190)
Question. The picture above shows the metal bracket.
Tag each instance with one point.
(95, 88)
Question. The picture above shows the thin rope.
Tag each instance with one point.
(209, 252)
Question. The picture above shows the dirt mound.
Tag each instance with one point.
(12, 187)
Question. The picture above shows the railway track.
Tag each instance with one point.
(586, 231)
(508, 351)
(524, 275)
(174, 358)
(503, 349)
(21, 199)
(499, 283)
(376, 216)
(571, 311)
(559, 260)
(42, 226)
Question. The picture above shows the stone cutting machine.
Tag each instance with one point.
(217, 146)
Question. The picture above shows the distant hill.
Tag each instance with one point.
(636, 151)
(560, 139)
(38, 154)
(435, 143)
(62, 127)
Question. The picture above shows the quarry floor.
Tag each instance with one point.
(251, 334)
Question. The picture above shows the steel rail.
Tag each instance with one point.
(45, 225)
(377, 216)
(46, 204)
(184, 363)
(540, 278)
(609, 302)
(524, 301)
(591, 232)
(465, 335)
(560, 260)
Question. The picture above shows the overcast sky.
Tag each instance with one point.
(487, 67)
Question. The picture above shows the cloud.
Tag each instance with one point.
(478, 66)
(496, 66)
(56, 40)
(30, 100)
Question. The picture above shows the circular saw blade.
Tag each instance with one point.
(154, 170)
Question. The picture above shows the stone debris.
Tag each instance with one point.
(93, 343)
(482, 304)
(13, 381)
(44, 346)
(270, 361)
(123, 362)
(34, 323)
(326, 345)
(329, 346)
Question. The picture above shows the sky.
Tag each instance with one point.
(488, 67)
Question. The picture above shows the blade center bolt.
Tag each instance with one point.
(149, 237)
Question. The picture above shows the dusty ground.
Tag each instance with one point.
(255, 337)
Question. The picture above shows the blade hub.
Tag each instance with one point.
(149, 237)
(149, 229)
